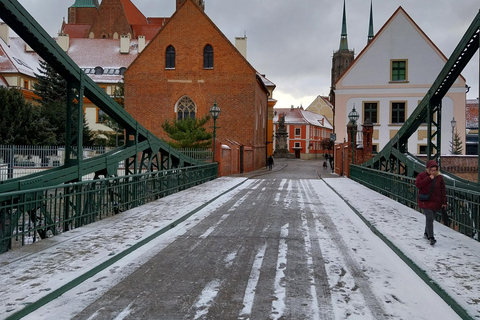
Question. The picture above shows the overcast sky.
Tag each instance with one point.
(292, 42)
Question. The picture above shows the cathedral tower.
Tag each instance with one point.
(82, 11)
(342, 58)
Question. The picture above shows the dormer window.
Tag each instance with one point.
(208, 57)
(98, 70)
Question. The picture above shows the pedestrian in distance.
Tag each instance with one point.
(331, 163)
(270, 162)
(432, 196)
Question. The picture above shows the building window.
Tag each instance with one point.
(98, 70)
(25, 84)
(297, 145)
(185, 108)
(399, 70)
(297, 131)
(101, 116)
(170, 58)
(370, 111)
(208, 57)
(398, 112)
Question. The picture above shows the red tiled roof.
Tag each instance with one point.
(134, 16)
(158, 21)
(149, 31)
(76, 30)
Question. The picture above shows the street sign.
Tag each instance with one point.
(333, 136)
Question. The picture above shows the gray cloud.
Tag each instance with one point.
(292, 42)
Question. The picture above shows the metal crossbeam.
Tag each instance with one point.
(140, 144)
(394, 157)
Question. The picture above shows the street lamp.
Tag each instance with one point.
(353, 116)
(214, 112)
(453, 123)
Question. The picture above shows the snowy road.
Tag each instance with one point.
(272, 248)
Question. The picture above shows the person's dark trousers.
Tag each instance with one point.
(429, 218)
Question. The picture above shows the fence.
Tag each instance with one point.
(27, 216)
(19, 161)
(463, 204)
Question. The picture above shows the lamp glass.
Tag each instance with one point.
(353, 115)
(453, 122)
(215, 111)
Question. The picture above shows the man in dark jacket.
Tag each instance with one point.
(437, 198)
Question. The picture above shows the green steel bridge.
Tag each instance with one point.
(58, 200)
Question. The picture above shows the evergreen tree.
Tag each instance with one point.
(456, 145)
(21, 122)
(52, 90)
(113, 139)
(188, 133)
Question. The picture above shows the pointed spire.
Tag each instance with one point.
(370, 25)
(343, 37)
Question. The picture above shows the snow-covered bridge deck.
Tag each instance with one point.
(261, 248)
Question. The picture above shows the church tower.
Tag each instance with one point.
(199, 3)
(82, 11)
(370, 25)
(342, 58)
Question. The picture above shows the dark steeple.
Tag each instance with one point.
(370, 25)
(343, 37)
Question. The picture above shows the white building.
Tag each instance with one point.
(389, 78)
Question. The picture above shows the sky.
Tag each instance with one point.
(292, 42)
(348, 247)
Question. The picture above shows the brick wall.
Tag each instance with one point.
(151, 91)
(465, 167)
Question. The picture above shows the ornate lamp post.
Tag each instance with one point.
(214, 112)
(353, 116)
(453, 123)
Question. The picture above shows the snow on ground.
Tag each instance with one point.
(453, 263)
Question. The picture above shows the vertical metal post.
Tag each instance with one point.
(214, 136)
(353, 142)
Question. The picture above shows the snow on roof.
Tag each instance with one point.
(265, 81)
(300, 116)
(14, 58)
(105, 53)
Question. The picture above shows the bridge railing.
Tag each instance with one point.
(463, 204)
(28, 216)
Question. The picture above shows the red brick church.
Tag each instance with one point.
(187, 67)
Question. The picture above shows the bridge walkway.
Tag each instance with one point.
(294, 243)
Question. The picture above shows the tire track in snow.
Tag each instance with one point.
(328, 225)
(249, 297)
(278, 304)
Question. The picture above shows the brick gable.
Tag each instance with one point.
(151, 91)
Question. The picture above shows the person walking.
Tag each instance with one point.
(270, 162)
(432, 196)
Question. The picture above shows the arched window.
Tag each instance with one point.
(170, 58)
(185, 108)
(208, 57)
(98, 70)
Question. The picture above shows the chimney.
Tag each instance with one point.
(5, 33)
(124, 44)
(63, 41)
(141, 43)
(241, 45)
